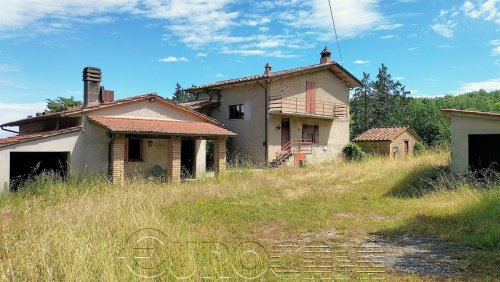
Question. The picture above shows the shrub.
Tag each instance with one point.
(352, 152)
(418, 148)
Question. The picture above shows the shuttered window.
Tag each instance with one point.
(310, 132)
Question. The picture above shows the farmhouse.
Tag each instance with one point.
(145, 134)
(391, 141)
(298, 114)
(475, 140)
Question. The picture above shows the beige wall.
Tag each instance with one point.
(146, 109)
(62, 143)
(330, 88)
(334, 135)
(397, 146)
(375, 147)
(461, 127)
(250, 130)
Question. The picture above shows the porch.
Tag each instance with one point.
(172, 150)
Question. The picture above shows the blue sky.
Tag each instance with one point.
(434, 47)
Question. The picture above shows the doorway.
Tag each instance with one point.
(25, 166)
(484, 152)
(285, 131)
(187, 159)
(406, 147)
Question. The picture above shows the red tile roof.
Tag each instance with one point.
(337, 69)
(477, 114)
(77, 110)
(23, 137)
(152, 126)
(383, 134)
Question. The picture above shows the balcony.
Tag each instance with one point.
(307, 107)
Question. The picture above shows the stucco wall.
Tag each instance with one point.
(375, 147)
(147, 109)
(333, 136)
(461, 127)
(250, 130)
(69, 142)
(399, 144)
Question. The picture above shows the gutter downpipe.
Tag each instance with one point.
(8, 130)
(266, 97)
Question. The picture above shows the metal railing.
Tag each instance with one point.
(303, 106)
(295, 146)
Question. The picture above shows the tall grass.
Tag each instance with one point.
(78, 229)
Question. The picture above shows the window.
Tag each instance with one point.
(236, 112)
(134, 150)
(310, 133)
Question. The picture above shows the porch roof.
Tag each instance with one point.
(24, 137)
(159, 127)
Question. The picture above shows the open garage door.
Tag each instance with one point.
(27, 165)
(484, 151)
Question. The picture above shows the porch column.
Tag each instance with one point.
(219, 156)
(174, 160)
(117, 159)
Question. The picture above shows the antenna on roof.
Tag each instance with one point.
(335, 29)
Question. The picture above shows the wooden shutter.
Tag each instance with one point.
(125, 150)
(316, 134)
(311, 97)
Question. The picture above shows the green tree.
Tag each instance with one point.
(61, 104)
(182, 96)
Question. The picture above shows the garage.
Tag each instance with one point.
(27, 165)
(484, 151)
(475, 140)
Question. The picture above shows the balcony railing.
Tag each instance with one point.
(305, 107)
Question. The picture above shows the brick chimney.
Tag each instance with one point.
(326, 56)
(268, 68)
(91, 86)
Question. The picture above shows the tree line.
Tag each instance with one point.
(386, 102)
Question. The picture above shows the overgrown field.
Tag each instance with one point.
(87, 229)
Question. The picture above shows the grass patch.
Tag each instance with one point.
(78, 230)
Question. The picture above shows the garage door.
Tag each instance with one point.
(484, 151)
(27, 165)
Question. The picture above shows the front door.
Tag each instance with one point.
(285, 131)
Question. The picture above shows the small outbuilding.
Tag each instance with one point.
(475, 140)
(391, 141)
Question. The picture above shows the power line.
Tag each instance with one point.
(335, 29)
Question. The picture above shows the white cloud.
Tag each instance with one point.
(411, 49)
(9, 68)
(487, 85)
(172, 59)
(388, 36)
(361, 62)
(219, 75)
(496, 47)
(258, 52)
(445, 29)
(201, 54)
(352, 18)
(399, 78)
(484, 9)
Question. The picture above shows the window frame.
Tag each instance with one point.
(236, 108)
(315, 132)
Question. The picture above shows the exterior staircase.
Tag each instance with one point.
(290, 149)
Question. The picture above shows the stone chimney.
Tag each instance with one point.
(326, 56)
(268, 68)
(91, 86)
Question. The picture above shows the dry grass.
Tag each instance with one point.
(77, 230)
